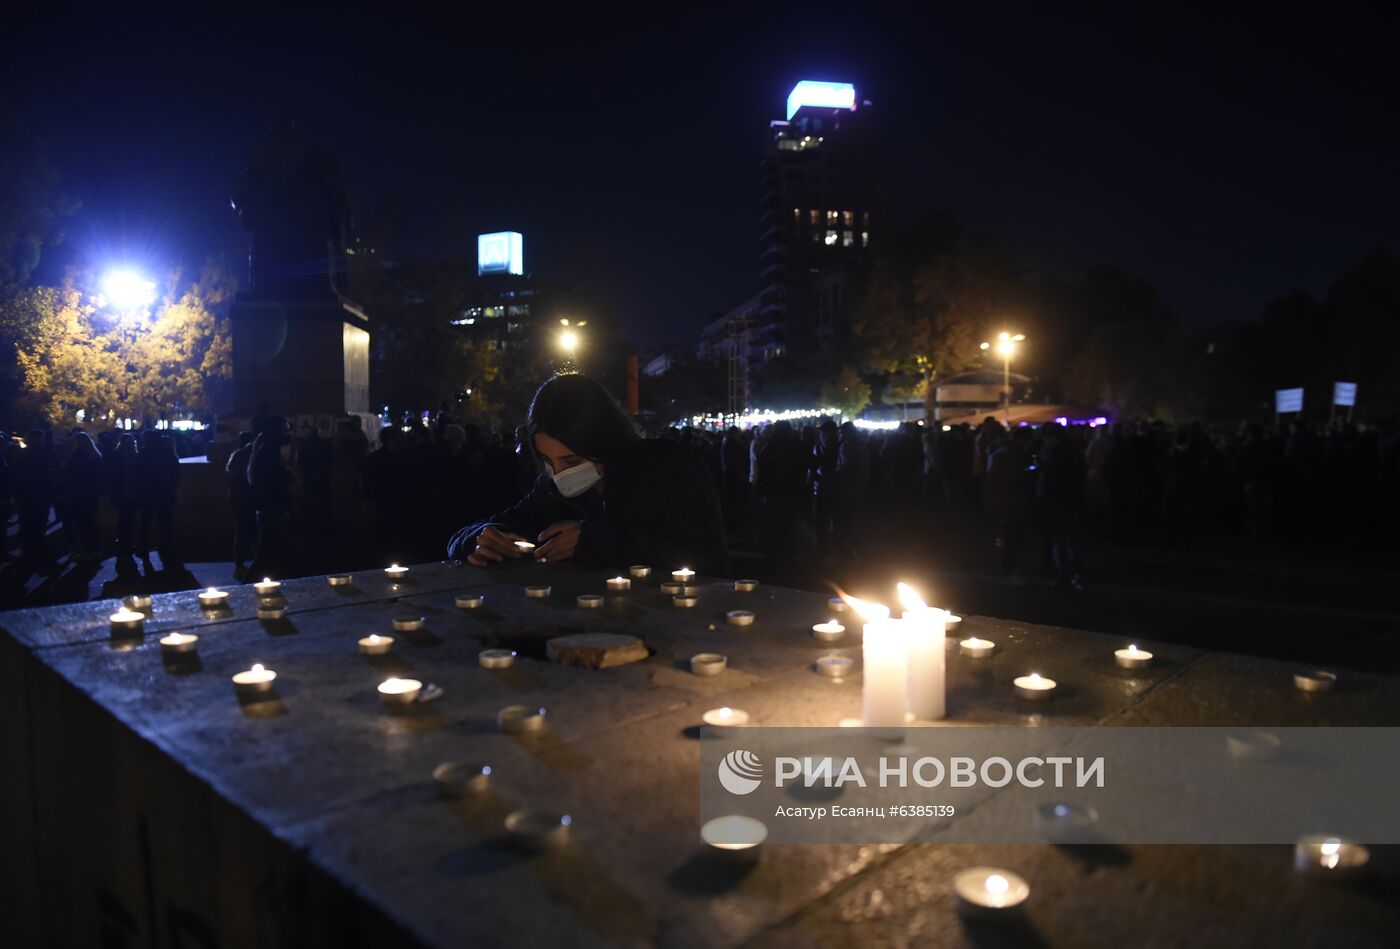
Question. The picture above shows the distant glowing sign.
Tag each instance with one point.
(823, 95)
(502, 252)
(1288, 400)
(1344, 393)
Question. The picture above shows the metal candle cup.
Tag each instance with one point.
(685, 601)
(267, 587)
(525, 547)
(254, 681)
(496, 658)
(618, 584)
(520, 719)
(739, 617)
(590, 601)
(708, 663)
(745, 586)
(1323, 856)
(140, 602)
(178, 643)
(734, 837)
(672, 588)
(1316, 680)
(976, 648)
(272, 610)
(398, 692)
(639, 571)
(213, 599)
(834, 667)
(725, 717)
(127, 622)
(539, 830)
(470, 601)
(409, 624)
(1132, 658)
(829, 632)
(340, 579)
(682, 575)
(376, 645)
(989, 890)
(461, 778)
(1034, 687)
(537, 592)
(395, 572)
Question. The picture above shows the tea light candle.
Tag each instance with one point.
(141, 602)
(829, 632)
(267, 587)
(537, 592)
(836, 604)
(395, 572)
(734, 837)
(1034, 686)
(952, 624)
(339, 579)
(178, 643)
(375, 645)
(924, 639)
(725, 717)
(1317, 680)
(1329, 856)
(1065, 822)
(127, 622)
(460, 778)
(640, 571)
(671, 588)
(539, 830)
(254, 681)
(1132, 657)
(708, 663)
(835, 667)
(409, 624)
(976, 648)
(524, 546)
(212, 599)
(682, 575)
(746, 586)
(271, 610)
(496, 658)
(685, 601)
(590, 601)
(396, 691)
(470, 601)
(619, 584)
(520, 719)
(739, 617)
(988, 889)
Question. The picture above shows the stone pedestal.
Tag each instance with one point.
(299, 356)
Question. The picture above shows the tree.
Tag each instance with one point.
(848, 392)
(1131, 346)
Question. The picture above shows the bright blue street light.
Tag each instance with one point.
(127, 291)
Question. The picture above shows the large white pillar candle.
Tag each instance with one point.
(885, 672)
(924, 631)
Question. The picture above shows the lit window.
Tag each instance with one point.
(796, 216)
(814, 217)
(832, 217)
(848, 218)
(847, 239)
(831, 238)
(864, 238)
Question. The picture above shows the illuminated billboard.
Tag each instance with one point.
(501, 252)
(823, 95)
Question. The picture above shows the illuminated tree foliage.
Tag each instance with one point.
(848, 392)
(74, 357)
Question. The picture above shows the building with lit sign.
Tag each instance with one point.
(502, 252)
(502, 305)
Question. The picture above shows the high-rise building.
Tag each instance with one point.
(820, 208)
(502, 307)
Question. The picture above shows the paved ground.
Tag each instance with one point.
(165, 810)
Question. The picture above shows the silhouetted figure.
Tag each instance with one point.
(77, 489)
(316, 463)
(826, 456)
(270, 482)
(241, 506)
(158, 485)
(387, 483)
(782, 486)
(34, 495)
(1008, 498)
(1060, 490)
(122, 474)
(852, 481)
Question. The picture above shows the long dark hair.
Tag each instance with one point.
(581, 414)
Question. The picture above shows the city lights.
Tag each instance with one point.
(826, 95)
(1006, 348)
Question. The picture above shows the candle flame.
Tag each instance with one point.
(267, 579)
(1132, 647)
(211, 590)
(393, 566)
(726, 712)
(257, 667)
(1331, 846)
(1035, 677)
(910, 598)
(996, 883)
(373, 637)
(866, 611)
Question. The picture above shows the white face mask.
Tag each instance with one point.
(572, 482)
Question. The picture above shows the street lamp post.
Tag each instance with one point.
(569, 342)
(1006, 347)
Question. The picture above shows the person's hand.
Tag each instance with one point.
(557, 541)
(493, 546)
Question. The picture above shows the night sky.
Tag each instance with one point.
(1225, 159)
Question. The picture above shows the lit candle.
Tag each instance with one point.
(141, 602)
(395, 572)
(539, 830)
(708, 663)
(952, 624)
(408, 624)
(829, 632)
(734, 837)
(375, 645)
(212, 599)
(924, 636)
(524, 546)
(835, 667)
(725, 717)
(1132, 657)
(739, 617)
(590, 601)
(836, 604)
(496, 658)
(267, 587)
(340, 579)
(988, 889)
(177, 643)
(470, 601)
(1034, 686)
(745, 586)
(254, 681)
(975, 648)
(461, 778)
(398, 692)
(1060, 822)
(520, 719)
(1317, 680)
(537, 592)
(685, 600)
(1329, 856)
(640, 571)
(127, 622)
(682, 575)
(885, 690)
(619, 583)
(271, 610)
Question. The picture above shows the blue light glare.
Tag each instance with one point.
(824, 95)
(127, 290)
(501, 252)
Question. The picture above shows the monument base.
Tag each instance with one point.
(299, 357)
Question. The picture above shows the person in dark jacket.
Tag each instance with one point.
(605, 496)
(240, 500)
